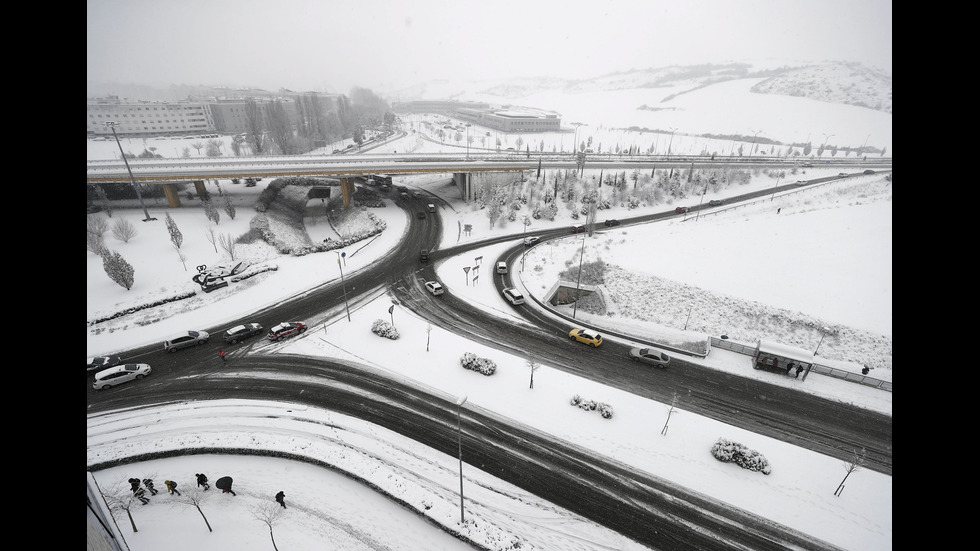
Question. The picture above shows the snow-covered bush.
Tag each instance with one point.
(384, 329)
(470, 360)
(605, 410)
(733, 452)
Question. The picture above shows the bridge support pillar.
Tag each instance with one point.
(173, 197)
(200, 189)
(347, 190)
(465, 185)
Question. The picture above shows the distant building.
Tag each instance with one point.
(148, 118)
(505, 119)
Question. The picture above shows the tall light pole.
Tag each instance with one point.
(865, 143)
(459, 441)
(111, 125)
(755, 145)
(671, 142)
(827, 137)
(774, 187)
(823, 334)
(578, 285)
(467, 141)
(698, 215)
(342, 282)
(575, 139)
(527, 222)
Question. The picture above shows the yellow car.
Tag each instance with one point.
(587, 336)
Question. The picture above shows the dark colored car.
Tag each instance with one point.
(578, 228)
(242, 332)
(423, 255)
(420, 214)
(611, 223)
(102, 362)
(680, 210)
(286, 329)
(188, 339)
(715, 202)
(528, 241)
(869, 171)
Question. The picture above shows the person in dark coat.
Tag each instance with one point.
(281, 498)
(171, 487)
(141, 495)
(148, 482)
(134, 484)
(224, 483)
(202, 481)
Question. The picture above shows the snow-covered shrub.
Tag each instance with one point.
(470, 360)
(605, 410)
(384, 329)
(733, 452)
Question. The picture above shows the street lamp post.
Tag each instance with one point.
(823, 334)
(703, 193)
(865, 143)
(671, 142)
(774, 188)
(459, 441)
(112, 126)
(527, 222)
(467, 141)
(825, 138)
(755, 145)
(342, 282)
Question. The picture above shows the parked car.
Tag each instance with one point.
(501, 267)
(186, 340)
(681, 210)
(423, 255)
(242, 332)
(578, 228)
(652, 356)
(869, 171)
(420, 215)
(286, 329)
(586, 336)
(528, 241)
(715, 202)
(120, 374)
(513, 296)
(102, 362)
(434, 287)
(609, 223)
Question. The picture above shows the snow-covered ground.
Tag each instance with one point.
(831, 246)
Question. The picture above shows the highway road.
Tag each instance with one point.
(641, 506)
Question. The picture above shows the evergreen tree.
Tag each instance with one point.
(211, 211)
(175, 236)
(118, 269)
(229, 208)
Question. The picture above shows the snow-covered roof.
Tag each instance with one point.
(786, 351)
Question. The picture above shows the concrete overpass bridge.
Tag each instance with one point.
(468, 170)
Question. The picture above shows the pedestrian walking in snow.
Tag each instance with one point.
(134, 484)
(171, 487)
(224, 483)
(202, 481)
(221, 354)
(141, 495)
(148, 482)
(281, 498)
(799, 368)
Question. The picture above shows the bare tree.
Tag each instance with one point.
(97, 225)
(180, 255)
(123, 230)
(673, 406)
(534, 367)
(855, 464)
(104, 199)
(280, 128)
(209, 233)
(198, 146)
(119, 498)
(270, 515)
(194, 498)
(227, 242)
(254, 124)
(96, 244)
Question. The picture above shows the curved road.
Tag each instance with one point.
(643, 507)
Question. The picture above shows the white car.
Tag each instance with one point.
(513, 296)
(190, 338)
(434, 287)
(120, 374)
(501, 267)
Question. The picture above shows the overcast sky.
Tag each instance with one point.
(385, 45)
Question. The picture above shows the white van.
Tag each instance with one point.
(501, 267)
(513, 296)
